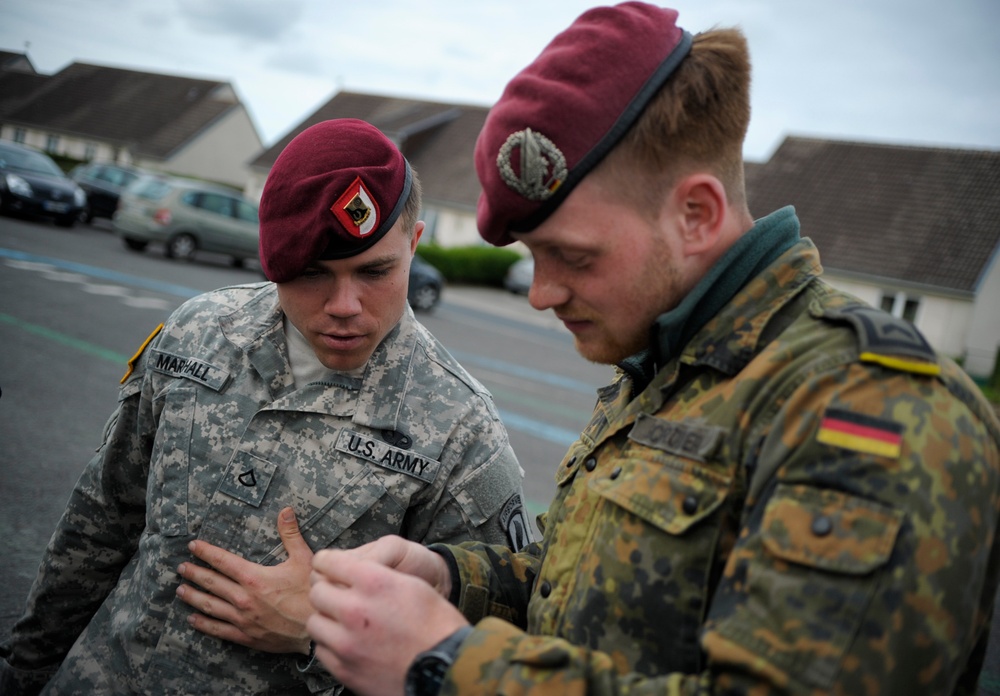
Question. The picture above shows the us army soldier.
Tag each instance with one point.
(317, 397)
(784, 490)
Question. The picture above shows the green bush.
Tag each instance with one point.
(65, 162)
(472, 265)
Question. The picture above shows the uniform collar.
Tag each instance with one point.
(719, 321)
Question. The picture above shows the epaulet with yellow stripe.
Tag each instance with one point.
(135, 358)
(887, 340)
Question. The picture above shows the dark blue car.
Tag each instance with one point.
(32, 184)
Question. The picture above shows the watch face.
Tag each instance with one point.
(426, 674)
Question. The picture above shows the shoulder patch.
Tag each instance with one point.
(887, 340)
(861, 433)
(514, 522)
(135, 358)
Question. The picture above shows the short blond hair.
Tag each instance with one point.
(699, 119)
(414, 202)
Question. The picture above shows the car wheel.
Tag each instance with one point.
(66, 220)
(182, 246)
(237, 262)
(135, 244)
(425, 297)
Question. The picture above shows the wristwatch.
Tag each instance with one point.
(425, 675)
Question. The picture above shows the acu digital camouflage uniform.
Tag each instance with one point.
(210, 440)
(802, 500)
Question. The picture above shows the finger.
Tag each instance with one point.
(291, 535)
(387, 551)
(223, 561)
(325, 562)
(219, 629)
(331, 634)
(327, 598)
(208, 579)
(208, 604)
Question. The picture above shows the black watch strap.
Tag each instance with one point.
(426, 674)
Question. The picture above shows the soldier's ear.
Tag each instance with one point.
(701, 205)
(418, 231)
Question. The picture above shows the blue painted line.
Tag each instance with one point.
(526, 373)
(531, 426)
(104, 274)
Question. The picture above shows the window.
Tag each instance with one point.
(51, 143)
(245, 211)
(19, 134)
(901, 305)
(214, 203)
(89, 151)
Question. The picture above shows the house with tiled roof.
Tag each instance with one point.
(181, 125)
(914, 230)
(436, 138)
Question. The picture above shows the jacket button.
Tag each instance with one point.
(545, 589)
(590, 464)
(690, 505)
(616, 472)
(570, 463)
(822, 525)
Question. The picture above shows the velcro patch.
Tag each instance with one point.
(200, 371)
(888, 340)
(694, 440)
(861, 433)
(387, 456)
(248, 479)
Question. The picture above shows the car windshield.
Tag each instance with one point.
(27, 161)
(149, 188)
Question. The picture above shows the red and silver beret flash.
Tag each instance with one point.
(562, 114)
(334, 191)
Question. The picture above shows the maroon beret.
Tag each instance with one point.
(562, 114)
(334, 191)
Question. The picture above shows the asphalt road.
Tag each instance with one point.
(75, 304)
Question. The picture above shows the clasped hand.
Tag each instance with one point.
(377, 607)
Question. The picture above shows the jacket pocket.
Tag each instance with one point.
(649, 560)
(809, 585)
(360, 511)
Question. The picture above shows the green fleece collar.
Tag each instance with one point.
(769, 238)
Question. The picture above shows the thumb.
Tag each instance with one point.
(291, 536)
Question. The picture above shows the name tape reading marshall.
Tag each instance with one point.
(387, 456)
(191, 368)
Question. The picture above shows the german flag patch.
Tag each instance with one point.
(861, 433)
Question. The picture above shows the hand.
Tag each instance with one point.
(408, 557)
(261, 607)
(371, 620)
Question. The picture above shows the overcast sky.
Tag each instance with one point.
(891, 71)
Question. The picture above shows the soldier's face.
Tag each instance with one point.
(606, 270)
(345, 307)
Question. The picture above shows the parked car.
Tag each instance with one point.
(32, 184)
(103, 183)
(519, 275)
(187, 216)
(425, 286)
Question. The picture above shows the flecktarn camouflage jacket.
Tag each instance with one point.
(210, 440)
(805, 501)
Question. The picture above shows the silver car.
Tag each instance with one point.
(187, 216)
